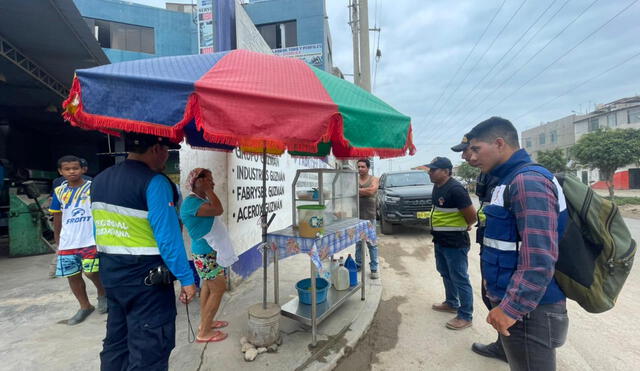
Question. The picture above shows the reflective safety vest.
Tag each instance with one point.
(499, 256)
(482, 218)
(447, 219)
(120, 211)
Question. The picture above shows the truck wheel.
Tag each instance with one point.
(385, 226)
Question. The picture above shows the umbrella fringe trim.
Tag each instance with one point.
(75, 114)
(334, 133)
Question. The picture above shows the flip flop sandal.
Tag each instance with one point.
(80, 316)
(219, 324)
(219, 336)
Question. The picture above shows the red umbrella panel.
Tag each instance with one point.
(239, 98)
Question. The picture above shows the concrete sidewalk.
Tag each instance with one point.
(619, 192)
(32, 305)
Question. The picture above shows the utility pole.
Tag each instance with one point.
(365, 63)
(359, 21)
(354, 23)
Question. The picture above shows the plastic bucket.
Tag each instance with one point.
(310, 220)
(304, 290)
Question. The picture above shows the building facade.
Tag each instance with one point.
(620, 114)
(128, 31)
(565, 132)
(551, 135)
(294, 28)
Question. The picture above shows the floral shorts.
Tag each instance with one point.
(206, 266)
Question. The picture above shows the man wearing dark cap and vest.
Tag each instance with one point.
(451, 218)
(484, 186)
(137, 231)
(525, 218)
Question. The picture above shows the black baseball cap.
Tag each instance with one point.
(143, 141)
(440, 163)
(464, 143)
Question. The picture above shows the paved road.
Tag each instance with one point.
(407, 335)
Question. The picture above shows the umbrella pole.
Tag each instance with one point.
(264, 228)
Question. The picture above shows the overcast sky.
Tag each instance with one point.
(513, 74)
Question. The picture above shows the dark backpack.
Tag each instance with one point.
(596, 250)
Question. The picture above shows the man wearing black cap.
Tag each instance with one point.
(484, 187)
(140, 244)
(451, 218)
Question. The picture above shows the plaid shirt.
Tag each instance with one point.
(535, 205)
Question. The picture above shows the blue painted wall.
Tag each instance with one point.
(175, 32)
(308, 14)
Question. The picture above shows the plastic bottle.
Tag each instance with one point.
(333, 268)
(327, 272)
(342, 278)
(350, 264)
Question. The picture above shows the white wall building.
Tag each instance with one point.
(620, 114)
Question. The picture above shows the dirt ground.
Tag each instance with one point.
(407, 335)
(630, 211)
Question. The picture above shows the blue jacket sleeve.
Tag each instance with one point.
(166, 229)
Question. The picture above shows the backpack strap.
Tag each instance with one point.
(506, 196)
(531, 166)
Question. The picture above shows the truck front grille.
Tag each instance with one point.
(416, 204)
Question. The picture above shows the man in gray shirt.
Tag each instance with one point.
(368, 188)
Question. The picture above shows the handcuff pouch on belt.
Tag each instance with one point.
(160, 275)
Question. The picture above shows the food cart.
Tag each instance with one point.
(337, 190)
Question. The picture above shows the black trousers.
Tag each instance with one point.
(140, 328)
(533, 341)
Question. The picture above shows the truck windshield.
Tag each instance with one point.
(407, 179)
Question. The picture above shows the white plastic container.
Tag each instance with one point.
(333, 268)
(341, 279)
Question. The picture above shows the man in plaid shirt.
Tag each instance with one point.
(520, 248)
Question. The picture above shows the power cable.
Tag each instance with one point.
(465, 60)
(377, 47)
(463, 100)
(560, 57)
(375, 27)
(485, 53)
(529, 59)
(579, 85)
(377, 59)
(473, 67)
(524, 46)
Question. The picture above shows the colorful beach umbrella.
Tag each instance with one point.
(241, 99)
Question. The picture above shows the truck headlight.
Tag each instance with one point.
(391, 199)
